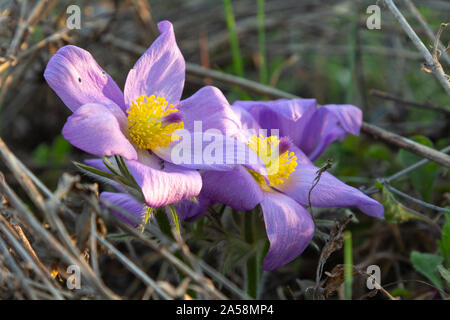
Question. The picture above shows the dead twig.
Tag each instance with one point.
(133, 268)
(432, 63)
(437, 53)
(336, 278)
(24, 254)
(165, 253)
(335, 242)
(316, 180)
(26, 216)
(420, 202)
(407, 144)
(423, 105)
(413, 9)
(7, 257)
(404, 172)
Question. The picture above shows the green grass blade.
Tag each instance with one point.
(234, 43)
(262, 42)
(348, 264)
(94, 171)
(175, 218)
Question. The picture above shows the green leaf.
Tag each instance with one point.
(394, 211)
(234, 42)
(60, 149)
(378, 151)
(175, 218)
(379, 185)
(110, 166)
(123, 168)
(444, 243)
(163, 222)
(53, 154)
(445, 273)
(427, 264)
(94, 171)
(423, 177)
(41, 154)
(237, 251)
(37, 34)
(148, 214)
(400, 292)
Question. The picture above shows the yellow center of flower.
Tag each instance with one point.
(146, 124)
(279, 166)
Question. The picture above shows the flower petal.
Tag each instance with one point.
(190, 210)
(210, 150)
(235, 188)
(289, 228)
(288, 116)
(329, 123)
(126, 202)
(159, 71)
(162, 182)
(211, 139)
(209, 107)
(95, 129)
(246, 120)
(98, 163)
(77, 79)
(329, 192)
(309, 128)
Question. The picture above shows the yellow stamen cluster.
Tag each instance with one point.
(145, 122)
(279, 166)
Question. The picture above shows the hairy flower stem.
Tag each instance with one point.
(166, 228)
(164, 223)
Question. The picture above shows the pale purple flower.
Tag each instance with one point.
(306, 131)
(138, 123)
(128, 204)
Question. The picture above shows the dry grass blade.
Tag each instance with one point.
(133, 268)
(26, 217)
(9, 260)
(54, 204)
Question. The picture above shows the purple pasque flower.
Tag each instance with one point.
(309, 128)
(305, 131)
(125, 202)
(140, 123)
